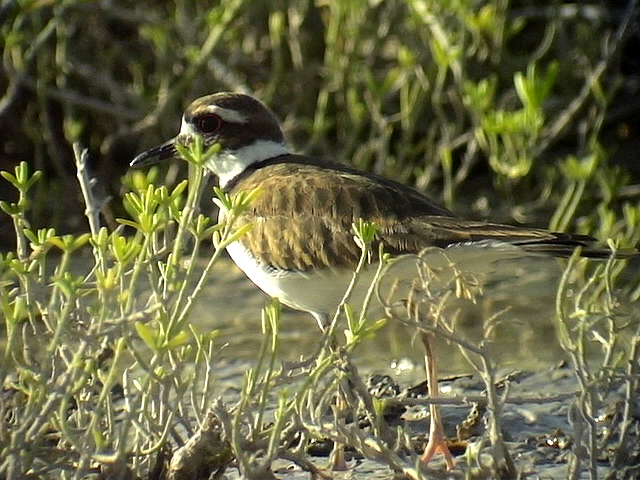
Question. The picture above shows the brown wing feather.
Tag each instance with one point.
(444, 232)
(320, 203)
(303, 217)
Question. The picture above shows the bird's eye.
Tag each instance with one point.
(208, 123)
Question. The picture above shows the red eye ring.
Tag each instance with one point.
(208, 123)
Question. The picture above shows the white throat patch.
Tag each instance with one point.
(229, 164)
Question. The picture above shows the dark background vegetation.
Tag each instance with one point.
(500, 110)
(385, 85)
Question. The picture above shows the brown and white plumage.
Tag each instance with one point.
(301, 248)
(303, 218)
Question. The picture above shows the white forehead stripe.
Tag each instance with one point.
(231, 116)
(187, 128)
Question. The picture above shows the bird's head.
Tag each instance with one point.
(246, 131)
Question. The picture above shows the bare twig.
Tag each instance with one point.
(92, 211)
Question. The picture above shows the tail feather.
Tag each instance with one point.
(445, 232)
(565, 245)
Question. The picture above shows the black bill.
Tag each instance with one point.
(155, 154)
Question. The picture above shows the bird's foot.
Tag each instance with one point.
(337, 459)
(437, 443)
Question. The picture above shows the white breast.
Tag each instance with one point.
(319, 292)
(316, 292)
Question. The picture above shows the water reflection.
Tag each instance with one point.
(523, 339)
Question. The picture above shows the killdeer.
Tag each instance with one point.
(301, 248)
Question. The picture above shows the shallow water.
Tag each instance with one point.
(523, 345)
(524, 339)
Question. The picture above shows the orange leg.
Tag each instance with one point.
(437, 442)
(337, 461)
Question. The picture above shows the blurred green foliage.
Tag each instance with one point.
(452, 96)
(76, 337)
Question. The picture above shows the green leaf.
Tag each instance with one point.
(124, 249)
(222, 199)
(109, 280)
(179, 189)
(129, 223)
(193, 151)
(10, 178)
(148, 336)
(21, 180)
(351, 319)
(69, 243)
(579, 169)
(201, 227)
(533, 89)
(10, 209)
(365, 233)
(178, 340)
(233, 237)
(480, 96)
(101, 239)
(19, 309)
(32, 180)
(40, 237)
(98, 437)
(68, 284)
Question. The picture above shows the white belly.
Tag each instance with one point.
(320, 292)
(316, 292)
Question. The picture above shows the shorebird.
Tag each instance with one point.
(300, 247)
